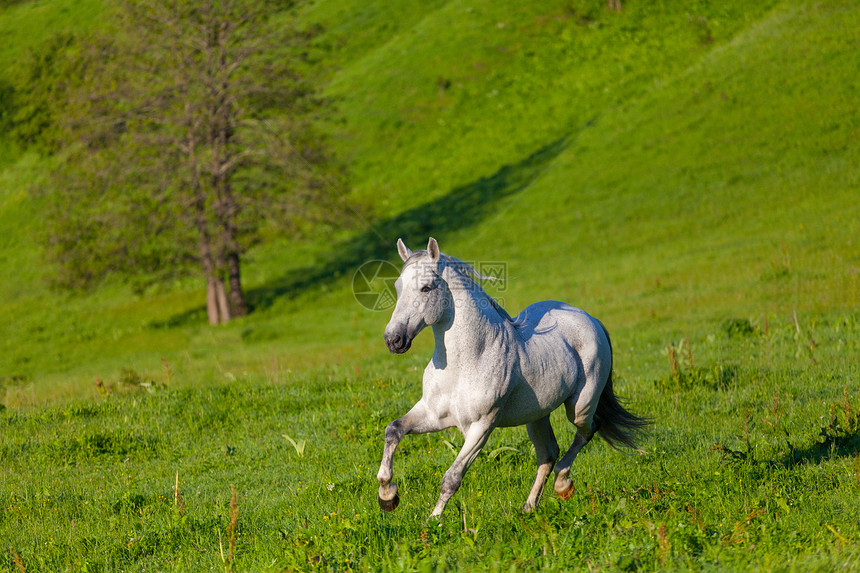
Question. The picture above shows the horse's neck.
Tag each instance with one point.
(476, 324)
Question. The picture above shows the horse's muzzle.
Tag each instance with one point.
(397, 344)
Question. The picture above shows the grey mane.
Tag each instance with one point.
(469, 272)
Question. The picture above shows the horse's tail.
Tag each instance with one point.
(615, 424)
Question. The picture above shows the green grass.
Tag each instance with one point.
(439, 105)
(752, 464)
(25, 27)
(705, 204)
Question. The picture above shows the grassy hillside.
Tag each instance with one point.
(731, 189)
(456, 91)
(584, 129)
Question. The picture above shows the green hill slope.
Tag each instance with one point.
(732, 189)
(665, 168)
(456, 91)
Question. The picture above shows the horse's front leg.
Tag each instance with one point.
(418, 420)
(475, 438)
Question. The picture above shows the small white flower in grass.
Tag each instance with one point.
(329, 486)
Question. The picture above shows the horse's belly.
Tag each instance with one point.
(526, 404)
(543, 386)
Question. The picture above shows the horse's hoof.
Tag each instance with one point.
(391, 504)
(566, 494)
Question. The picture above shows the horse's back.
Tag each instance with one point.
(565, 355)
(545, 325)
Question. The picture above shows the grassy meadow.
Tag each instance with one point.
(687, 174)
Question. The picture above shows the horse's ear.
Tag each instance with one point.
(404, 251)
(433, 249)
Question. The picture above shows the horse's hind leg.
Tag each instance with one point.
(546, 451)
(585, 429)
(563, 484)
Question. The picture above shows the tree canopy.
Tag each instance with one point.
(189, 128)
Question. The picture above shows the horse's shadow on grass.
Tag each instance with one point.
(462, 207)
(836, 440)
(843, 445)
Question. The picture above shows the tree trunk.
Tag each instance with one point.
(237, 297)
(221, 296)
(211, 302)
(216, 299)
(217, 306)
(217, 309)
(223, 165)
(205, 251)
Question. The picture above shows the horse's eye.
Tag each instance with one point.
(426, 289)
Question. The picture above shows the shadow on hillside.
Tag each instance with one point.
(462, 207)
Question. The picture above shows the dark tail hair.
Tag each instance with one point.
(615, 424)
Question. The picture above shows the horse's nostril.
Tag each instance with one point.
(394, 342)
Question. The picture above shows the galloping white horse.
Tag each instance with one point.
(489, 370)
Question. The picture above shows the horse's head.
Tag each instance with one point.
(423, 297)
